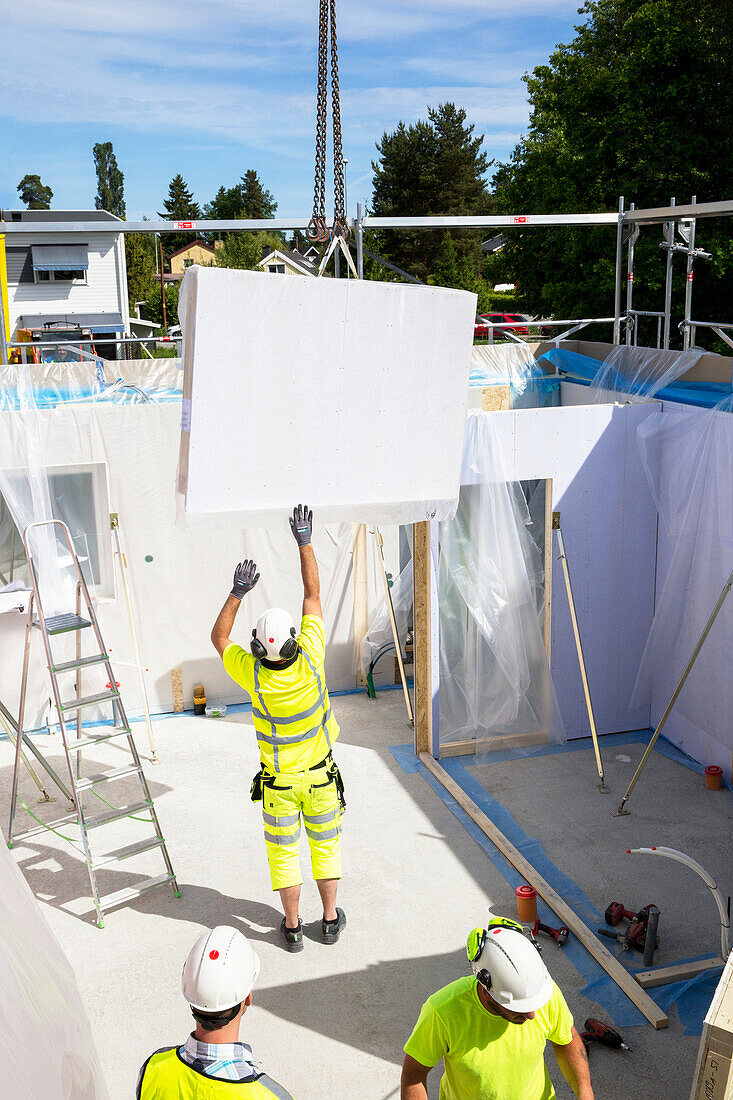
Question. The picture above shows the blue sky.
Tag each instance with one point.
(210, 88)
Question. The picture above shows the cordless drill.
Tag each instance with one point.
(595, 1031)
(559, 935)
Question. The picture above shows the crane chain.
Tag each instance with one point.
(317, 227)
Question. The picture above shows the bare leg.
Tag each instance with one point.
(327, 890)
(290, 897)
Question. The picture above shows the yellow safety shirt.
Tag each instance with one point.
(167, 1077)
(290, 706)
(485, 1056)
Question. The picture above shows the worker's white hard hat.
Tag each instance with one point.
(509, 967)
(220, 970)
(274, 636)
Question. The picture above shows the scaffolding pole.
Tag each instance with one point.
(619, 261)
(668, 280)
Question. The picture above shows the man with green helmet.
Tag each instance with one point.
(491, 1029)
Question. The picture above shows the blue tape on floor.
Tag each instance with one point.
(692, 998)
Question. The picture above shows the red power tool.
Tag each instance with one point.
(595, 1031)
(559, 935)
(615, 913)
(640, 933)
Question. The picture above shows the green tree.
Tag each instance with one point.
(433, 167)
(180, 206)
(140, 260)
(36, 195)
(640, 103)
(247, 199)
(244, 250)
(110, 180)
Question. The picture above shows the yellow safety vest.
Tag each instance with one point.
(167, 1077)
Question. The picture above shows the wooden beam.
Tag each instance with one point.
(361, 601)
(421, 567)
(493, 744)
(663, 975)
(548, 568)
(590, 941)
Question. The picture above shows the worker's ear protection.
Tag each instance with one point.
(287, 650)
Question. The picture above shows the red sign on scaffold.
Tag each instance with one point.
(185, 225)
(522, 219)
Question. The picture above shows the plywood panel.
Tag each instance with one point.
(349, 395)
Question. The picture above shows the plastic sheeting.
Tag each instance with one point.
(46, 1043)
(495, 680)
(639, 371)
(379, 639)
(688, 459)
(349, 394)
(513, 365)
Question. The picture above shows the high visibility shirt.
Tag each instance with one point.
(487, 1057)
(290, 706)
(167, 1077)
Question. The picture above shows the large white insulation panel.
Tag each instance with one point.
(348, 395)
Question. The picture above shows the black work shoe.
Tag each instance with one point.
(332, 928)
(293, 937)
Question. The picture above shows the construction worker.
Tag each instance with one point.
(491, 1029)
(284, 676)
(212, 1064)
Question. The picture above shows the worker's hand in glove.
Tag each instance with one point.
(245, 578)
(301, 524)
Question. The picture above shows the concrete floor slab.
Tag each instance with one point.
(332, 1020)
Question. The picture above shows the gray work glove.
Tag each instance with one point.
(245, 578)
(302, 525)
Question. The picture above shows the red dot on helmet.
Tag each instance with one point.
(496, 931)
(213, 954)
(272, 640)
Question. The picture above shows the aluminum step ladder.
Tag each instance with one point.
(70, 715)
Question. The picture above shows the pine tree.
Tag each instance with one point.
(433, 167)
(36, 195)
(247, 199)
(179, 207)
(110, 180)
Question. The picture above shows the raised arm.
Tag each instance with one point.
(301, 524)
(573, 1062)
(245, 578)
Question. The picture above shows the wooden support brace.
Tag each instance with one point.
(421, 569)
(589, 940)
(663, 975)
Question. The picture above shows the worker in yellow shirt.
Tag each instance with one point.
(491, 1029)
(284, 675)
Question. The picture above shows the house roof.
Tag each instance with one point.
(296, 259)
(51, 216)
(193, 244)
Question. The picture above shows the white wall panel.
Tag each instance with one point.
(348, 395)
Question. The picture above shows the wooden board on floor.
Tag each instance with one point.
(663, 975)
(590, 941)
(493, 744)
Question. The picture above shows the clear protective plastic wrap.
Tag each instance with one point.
(495, 682)
(642, 372)
(688, 459)
(379, 639)
(46, 1043)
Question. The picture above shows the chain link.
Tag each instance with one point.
(317, 228)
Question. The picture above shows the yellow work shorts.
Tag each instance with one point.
(288, 796)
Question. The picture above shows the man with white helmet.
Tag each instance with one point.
(284, 675)
(491, 1029)
(213, 1064)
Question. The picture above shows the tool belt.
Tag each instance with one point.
(264, 778)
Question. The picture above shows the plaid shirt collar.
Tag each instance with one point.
(224, 1061)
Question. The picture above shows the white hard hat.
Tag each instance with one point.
(220, 970)
(509, 967)
(274, 632)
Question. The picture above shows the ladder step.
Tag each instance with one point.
(90, 700)
(129, 893)
(67, 819)
(116, 814)
(62, 624)
(106, 777)
(82, 742)
(83, 662)
(130, 850)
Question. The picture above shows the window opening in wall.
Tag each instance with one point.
(276, 269)
(79, 497)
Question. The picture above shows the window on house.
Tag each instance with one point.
(276, 269)
(59, 263)
(72, 275)
(187, 262)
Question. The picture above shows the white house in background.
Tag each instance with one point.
(280, 262)
(61, 277)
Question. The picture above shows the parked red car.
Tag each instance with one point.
(481, 328)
